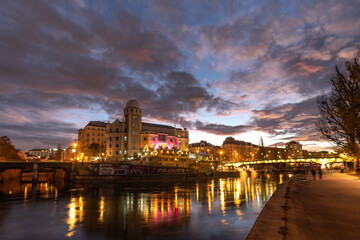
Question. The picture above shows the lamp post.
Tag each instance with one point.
(74, 150)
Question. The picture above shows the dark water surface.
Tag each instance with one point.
(223, 208)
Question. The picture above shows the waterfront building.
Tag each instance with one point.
(238, 151)
(45, 153)
(205, 151)
(132, 137)
(93, 132)
(319, 154)
(294, 150)
(271, 153)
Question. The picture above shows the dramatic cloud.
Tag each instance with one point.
(191, 63)
(289, 121)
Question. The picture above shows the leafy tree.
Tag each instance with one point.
(7, 150)
(340, 110)
(93, 150)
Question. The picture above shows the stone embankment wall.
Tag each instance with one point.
(150, 177)
(272, 221)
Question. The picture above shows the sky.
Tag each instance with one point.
(246, 69)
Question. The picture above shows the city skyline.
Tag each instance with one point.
(240, 69)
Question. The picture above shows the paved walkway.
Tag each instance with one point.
(322, 209)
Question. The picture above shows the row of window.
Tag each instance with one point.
(117, 138)
(93, 134)
(118, 152)
(99, 129)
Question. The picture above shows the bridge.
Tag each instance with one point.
(35, 167)
(304, 161)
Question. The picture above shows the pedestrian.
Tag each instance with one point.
(313, 172)
(320, 173)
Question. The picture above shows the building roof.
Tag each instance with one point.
(96, 124)
(159, 125)
(133, 103)
(231, 140)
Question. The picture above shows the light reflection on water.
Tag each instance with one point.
(223, 208)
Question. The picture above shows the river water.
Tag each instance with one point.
(224, 208)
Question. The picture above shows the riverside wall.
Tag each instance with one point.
(150, 177)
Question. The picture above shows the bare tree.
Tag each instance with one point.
(340, 110)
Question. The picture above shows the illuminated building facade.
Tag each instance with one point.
(45, 153)
(238, 151)
(293, 149)
(93, 132)
(205, 151)
(132, 137)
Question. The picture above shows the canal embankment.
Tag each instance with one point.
(88, 179)
(304, 208)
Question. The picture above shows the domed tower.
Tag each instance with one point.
(133, 115)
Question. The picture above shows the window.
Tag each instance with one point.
(153, 138)
(110, 130)
(145, 138)
(93, 134)
(162, 138)
(134, 125)
(125, 138)
(135, 140)
(117, 153)
(120, 152)
(98, 139)
(171, 140)
(135, 133)
(117, 138)
(109, 138)
(135, 147)
(125, 152)
(117, 129)
(135, 116)
(110, 153)
(117, 145)
(98, 134)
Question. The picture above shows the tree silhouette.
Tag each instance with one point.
(340, 110)
(7, 150)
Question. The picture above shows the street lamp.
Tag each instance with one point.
(74, 150)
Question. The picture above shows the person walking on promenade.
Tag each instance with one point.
(313, 172)
(320, 173)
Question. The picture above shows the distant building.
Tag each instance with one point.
(21, 153)
(294, 150)
(205, 151)
(93, 132)
(320, 154)
(132, 137)
(45, 153)
(238, 151)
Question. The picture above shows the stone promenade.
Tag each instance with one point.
(306, 209)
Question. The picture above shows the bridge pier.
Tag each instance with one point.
(35, 177)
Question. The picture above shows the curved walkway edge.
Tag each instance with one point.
(269, 222)
(326, 208)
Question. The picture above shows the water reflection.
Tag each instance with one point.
(15, 189)
(223, 208)
(161, 211)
